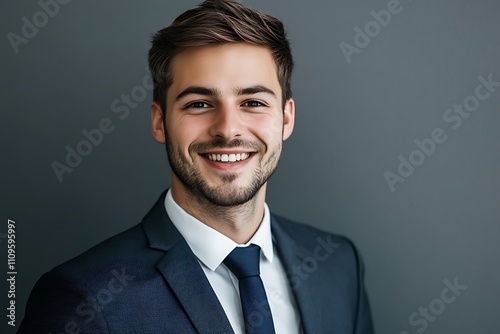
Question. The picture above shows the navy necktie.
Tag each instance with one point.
(244, 264)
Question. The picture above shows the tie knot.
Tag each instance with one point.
(244, 261)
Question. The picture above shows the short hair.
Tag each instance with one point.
(218, 22)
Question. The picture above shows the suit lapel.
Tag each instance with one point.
(189, 283)
(183, 273)
(291, 255)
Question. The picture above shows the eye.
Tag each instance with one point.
(253, 103)
(198, 105)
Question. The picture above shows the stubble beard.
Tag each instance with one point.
(226, 194)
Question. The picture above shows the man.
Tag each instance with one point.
(209, 257)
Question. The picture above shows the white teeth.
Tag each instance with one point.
(228, 157)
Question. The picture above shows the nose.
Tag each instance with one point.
(227, 123)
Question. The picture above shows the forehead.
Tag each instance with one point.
(224, 67)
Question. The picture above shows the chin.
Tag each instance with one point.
(229, 195)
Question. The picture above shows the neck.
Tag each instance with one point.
(239, 223)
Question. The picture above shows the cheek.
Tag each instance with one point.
(184, 132)
(269, 128)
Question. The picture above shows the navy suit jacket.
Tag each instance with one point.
(147, 280)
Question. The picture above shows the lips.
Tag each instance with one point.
(227, 157)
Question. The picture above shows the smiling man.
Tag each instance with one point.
(209, 257)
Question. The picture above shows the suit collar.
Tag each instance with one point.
(159, 230)
(292, 256)
(182, 272)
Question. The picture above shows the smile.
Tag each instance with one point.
(233, 157)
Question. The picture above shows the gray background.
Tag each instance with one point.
(353, 121)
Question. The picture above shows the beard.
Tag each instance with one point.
(227, 194)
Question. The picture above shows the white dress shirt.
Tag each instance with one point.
(211, 248)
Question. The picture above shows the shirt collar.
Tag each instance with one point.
(209, 245)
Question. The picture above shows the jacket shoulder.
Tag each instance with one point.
(307, 234)
(125, 246)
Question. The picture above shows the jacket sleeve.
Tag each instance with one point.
(364, 322)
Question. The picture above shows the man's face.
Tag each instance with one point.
(224, 123)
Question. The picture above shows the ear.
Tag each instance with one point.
(288, 118)
(157, 125)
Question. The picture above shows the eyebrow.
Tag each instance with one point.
(255, 90)
(200, 90)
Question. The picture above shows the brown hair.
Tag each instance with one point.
(217, 22)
